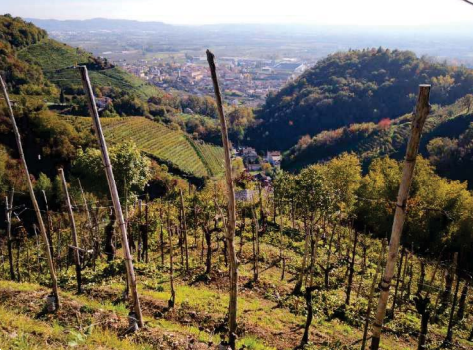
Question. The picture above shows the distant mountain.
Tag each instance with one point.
(98, 24)
(354, 87)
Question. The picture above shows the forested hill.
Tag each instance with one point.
(354, 87)
(446, 141)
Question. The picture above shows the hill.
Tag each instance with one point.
(54, 58)
(172, 147)
(389, 138)
(38, 69)
(353, 87)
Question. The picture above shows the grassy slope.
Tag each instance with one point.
(269, 317)
(98, 318)
(449, 121)
(52, 56)
(170, 146)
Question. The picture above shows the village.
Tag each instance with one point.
(244, 80)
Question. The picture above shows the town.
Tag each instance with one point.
(244, 80)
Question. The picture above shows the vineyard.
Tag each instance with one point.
(370, 141)
(103, 249)
(54, 57)
(170, 146)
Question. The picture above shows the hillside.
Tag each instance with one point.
(270, 315)
(387, 138)
(54, 58)
(38, 71)
(353, 87)
(172, 147)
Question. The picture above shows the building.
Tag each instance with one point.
(274, 158)
(245, 195)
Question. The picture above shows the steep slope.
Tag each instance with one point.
(172, 147)
(16, 34)
(353, 87)
(54, 58)
(387, 138)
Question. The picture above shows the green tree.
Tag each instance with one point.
(131, 169)
(44, 184)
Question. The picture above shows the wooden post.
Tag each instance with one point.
(370, 297)
(298, 286)
(184, 229)
(146, 232)
(89, 219)
(231, 222)
(449, 337)
(73, 231)
(422, 111)
(8, 212)
(113, 192)
(172, 300)
(462, 302)
(281, 244)
(89, 224)
(49, 227)
(140, 219)
(32, 195)
(398, 279)
(38, 258)
(352, 269)
(255, 229)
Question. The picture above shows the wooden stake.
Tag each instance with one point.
(49, 257)
(73, 231)
(231, 222)
(172, 300)
(422, 111)
(398, 279)
(8, 212)
(255, 229)
(352, 269)
(113, 192)
(49, 228)
(184, 229)
(372, 288)
(449, 337)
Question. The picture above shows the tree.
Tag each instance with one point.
(130, 167)
(44, 184)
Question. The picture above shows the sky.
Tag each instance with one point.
(322, 12)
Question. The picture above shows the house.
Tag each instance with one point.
(245, 195)
(103, 102)
(274, 158)
(253, 166)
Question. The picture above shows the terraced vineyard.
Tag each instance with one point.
(371, 142)
(164, 144)
(53, 57)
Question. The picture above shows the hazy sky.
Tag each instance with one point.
(361, 12)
